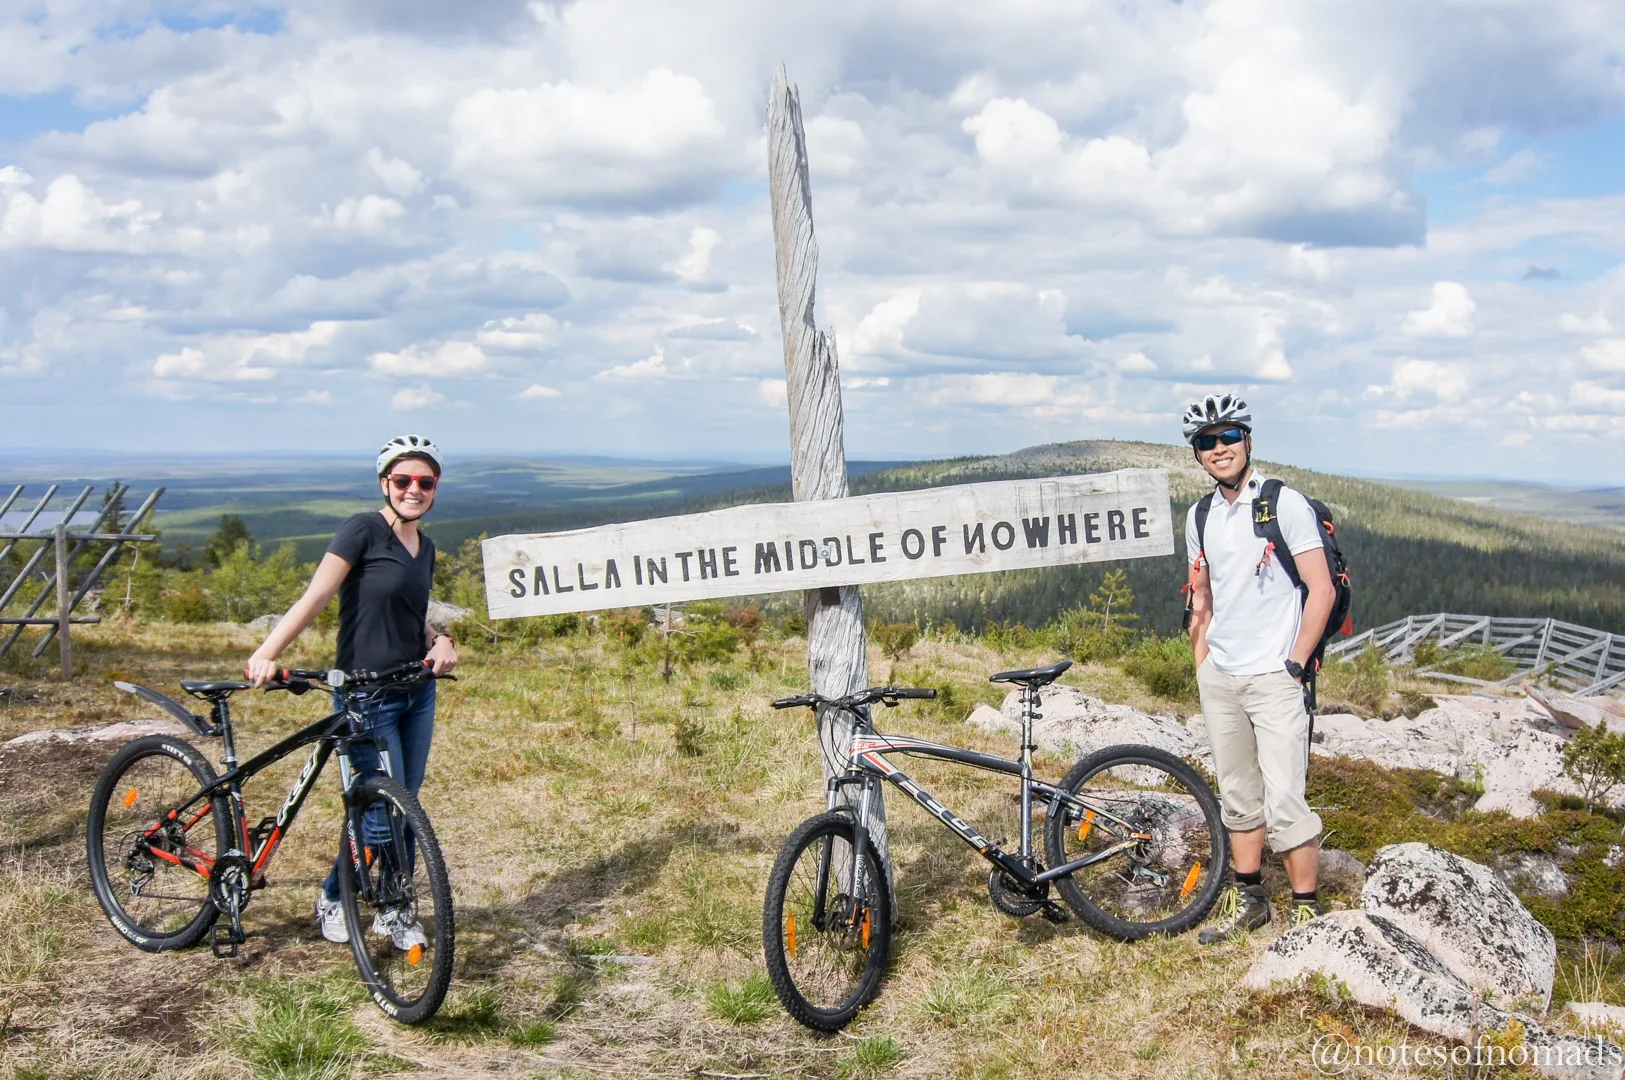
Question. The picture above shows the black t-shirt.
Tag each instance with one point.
(384, 599)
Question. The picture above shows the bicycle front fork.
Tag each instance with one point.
(860, 849)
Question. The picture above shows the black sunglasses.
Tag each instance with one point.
(1229, 436)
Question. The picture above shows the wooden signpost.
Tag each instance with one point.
(826, 543)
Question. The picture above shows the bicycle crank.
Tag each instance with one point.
(1014, 898)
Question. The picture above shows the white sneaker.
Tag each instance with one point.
(399, 926)
(330, 920)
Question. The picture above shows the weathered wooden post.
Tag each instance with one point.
(837, 660)
(64, 599)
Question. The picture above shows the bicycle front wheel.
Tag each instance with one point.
(397, 900)
(1159, 821)
(826, 948)
(150, 864)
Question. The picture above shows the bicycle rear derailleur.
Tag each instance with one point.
(1019, 900)
(228, 889)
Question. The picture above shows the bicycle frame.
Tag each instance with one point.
(332, 734)
(867, 764)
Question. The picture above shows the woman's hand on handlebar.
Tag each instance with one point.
(260, 670)
(442, 655)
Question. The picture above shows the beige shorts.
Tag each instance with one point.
(1259, 732)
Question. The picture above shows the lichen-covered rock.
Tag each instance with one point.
(1597, 1013)
(1466, 917)
(124, 731)
(1380, 964)
(1341, 868)
(1510, 746)
(1384, 967)
(1574, 712)
(1076, 723)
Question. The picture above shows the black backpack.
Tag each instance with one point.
(1267, 524)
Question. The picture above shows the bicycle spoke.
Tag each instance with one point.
(1163, 840)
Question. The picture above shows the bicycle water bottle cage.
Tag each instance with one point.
(198, 724)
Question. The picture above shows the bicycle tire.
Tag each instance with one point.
(381, 976)
(778, 936)
(122, 780)
(1209, 855)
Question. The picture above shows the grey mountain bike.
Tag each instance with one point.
(1132, 841)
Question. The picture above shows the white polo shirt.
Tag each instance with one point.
(1256, 611)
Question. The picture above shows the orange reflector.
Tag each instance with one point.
(130, 797)
(414, 955)
(1087, 824)
(865, 928)
(790, 934)
(366, 854)
(1190, 881)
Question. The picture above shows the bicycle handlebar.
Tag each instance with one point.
(299, 680)
(887, 695)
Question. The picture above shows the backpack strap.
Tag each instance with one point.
(1204, 506)
(1267, 524)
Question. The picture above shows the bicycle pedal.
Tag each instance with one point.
(1054, 912)
(223, 940)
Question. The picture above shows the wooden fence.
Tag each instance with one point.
(1577, 658)
(67, 545)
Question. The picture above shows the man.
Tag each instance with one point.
(1253, 632)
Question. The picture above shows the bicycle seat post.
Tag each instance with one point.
(222, 720)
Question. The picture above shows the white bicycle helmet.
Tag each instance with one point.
(1216, 409)
(404, 445)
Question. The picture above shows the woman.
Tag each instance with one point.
(381, 566)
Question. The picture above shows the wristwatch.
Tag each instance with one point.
(1294, 669)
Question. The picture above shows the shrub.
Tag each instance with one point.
(1165, 667)
(1479, 662)
(244, 585)
(705, 642)
(187, 604)
(895, 639)
(747, 620)
(1595, 760)
(1362, 682)
(627, 626)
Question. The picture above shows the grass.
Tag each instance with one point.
(744, 1002)
(609, 881)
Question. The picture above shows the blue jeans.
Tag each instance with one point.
(405, 724)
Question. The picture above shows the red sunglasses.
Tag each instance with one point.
(402, 481)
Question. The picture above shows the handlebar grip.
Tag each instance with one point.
(915, 693)
(796, 702)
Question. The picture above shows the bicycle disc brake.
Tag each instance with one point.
(1012, 897)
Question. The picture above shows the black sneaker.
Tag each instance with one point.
(1242, 909)
(1304, 911)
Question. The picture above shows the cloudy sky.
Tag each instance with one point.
(543, 227)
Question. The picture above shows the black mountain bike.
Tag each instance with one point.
(1132, 840)
(171, 849)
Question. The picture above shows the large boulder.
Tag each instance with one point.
(1509, 745)
(1573, 712)
(1466, 917)
(1075, 723)
(1380, 964)
(441, 614)
(1384, 967)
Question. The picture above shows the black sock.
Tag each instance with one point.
(1310, 897)
(1250, 877)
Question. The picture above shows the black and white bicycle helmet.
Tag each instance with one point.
(409, 446)
(1216, 409)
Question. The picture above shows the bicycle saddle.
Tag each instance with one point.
(1038, 676)
(213, 688)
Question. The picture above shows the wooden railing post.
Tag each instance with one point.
(64, 600)
(837, 659)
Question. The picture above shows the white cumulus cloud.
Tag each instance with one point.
(450, 359)
(1449, 315)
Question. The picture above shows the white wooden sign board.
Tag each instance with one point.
(776, 547)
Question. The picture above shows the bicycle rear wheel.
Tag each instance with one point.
(1165, 819)
(826, 949)
(136, 849)
(397, 901)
